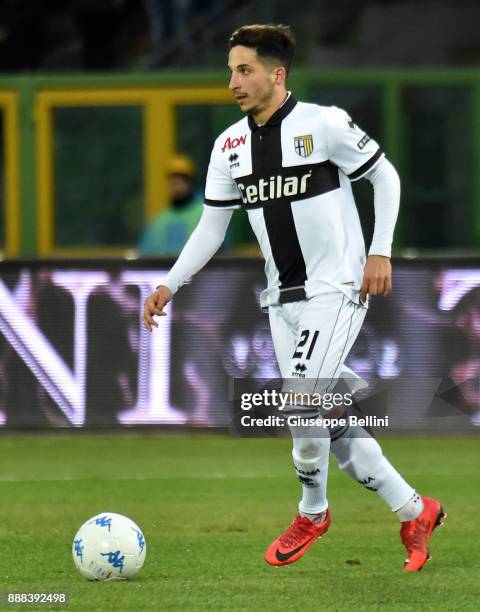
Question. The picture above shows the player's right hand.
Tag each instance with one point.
(154, 305)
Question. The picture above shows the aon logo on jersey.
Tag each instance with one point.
(274, 188)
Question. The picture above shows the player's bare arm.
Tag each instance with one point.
(154, 305)
(377, 277)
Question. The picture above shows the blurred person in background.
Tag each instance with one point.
(460, 298)
(166, 19)
(170, 229)
(171, 23)
(112, 326)
(466, 372)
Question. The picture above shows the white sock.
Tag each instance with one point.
(310, 458)
(314, 499)
(315, 518)
(360, 456)
(411, 510)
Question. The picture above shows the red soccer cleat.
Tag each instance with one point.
(416, 534)
(296, 540)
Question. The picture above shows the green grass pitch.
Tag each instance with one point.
(209, 506)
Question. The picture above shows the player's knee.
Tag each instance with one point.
(307, 450)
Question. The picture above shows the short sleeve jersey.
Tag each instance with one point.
(293, 176)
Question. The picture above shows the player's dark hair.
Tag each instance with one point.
(275, 42)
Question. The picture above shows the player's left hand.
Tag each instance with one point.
(377, 277)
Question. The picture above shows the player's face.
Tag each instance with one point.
(251, 81)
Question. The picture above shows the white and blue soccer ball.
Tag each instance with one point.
(109, 546)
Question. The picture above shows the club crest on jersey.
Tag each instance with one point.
(303, 145)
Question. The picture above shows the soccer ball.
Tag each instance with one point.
(109, 546)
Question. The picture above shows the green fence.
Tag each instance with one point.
(82, 166)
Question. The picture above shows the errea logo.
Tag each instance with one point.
(274, 188)
(233, 159)
(232, 143)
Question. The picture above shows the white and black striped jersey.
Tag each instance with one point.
(293, 175)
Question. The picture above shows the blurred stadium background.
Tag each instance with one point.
(93, 107)
(97, 96)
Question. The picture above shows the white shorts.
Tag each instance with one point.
(312, 339)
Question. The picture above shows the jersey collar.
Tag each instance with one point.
(278, 116)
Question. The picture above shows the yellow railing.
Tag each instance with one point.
(28, 105)
(11, 191)
(159, 143)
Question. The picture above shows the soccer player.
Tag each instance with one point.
(290, 164)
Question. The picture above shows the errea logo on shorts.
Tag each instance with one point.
(274, 188)
(233, 143)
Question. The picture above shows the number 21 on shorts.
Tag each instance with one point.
(303, 344)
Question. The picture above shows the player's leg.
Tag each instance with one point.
(283, 337)
(310, 450)
(360, 456)
(325, 330)
(310, 455)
